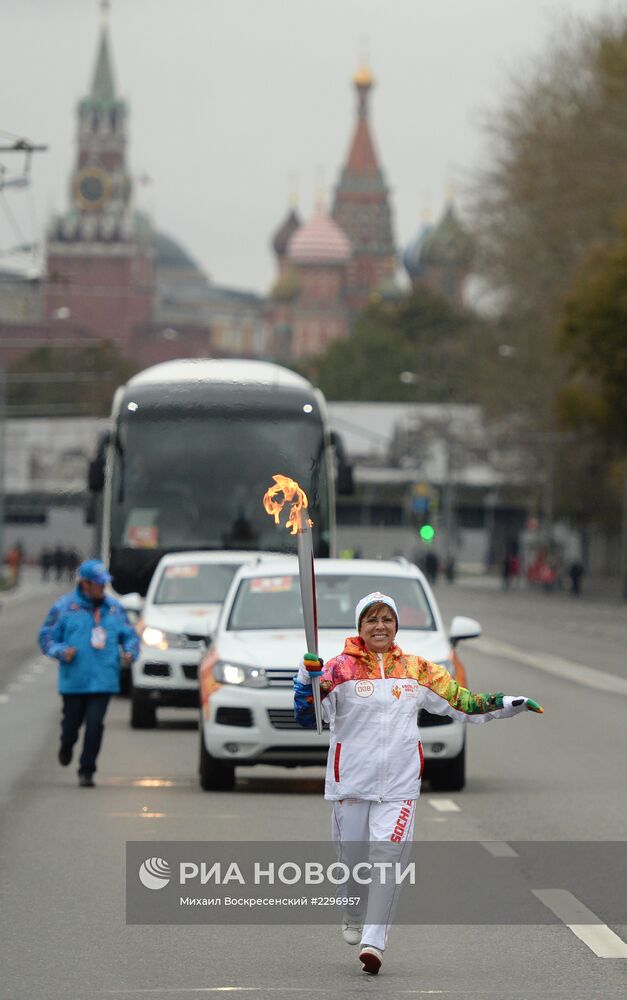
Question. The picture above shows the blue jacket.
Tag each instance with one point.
(69, 623)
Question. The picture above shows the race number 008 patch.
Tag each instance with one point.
(364, 688)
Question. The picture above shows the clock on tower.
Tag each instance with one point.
(91, 188)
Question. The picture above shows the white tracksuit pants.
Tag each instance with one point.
(355, 823)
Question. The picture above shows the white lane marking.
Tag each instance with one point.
(598, 937)
(123, 782)
(499, 849)
(311, 991)
(28, 679)
(3, 699)
(191, 989)
(139, 815)
(444, 805)
(600, 680)
(15, 686)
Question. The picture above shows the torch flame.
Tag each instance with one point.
(292, 493)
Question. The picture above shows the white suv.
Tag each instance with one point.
(246, 677)
(180, 612)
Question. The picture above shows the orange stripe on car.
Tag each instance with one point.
(208, 684)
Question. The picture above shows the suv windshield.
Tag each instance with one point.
(271, 602)
(194, 583)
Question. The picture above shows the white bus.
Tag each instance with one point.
(192, 448)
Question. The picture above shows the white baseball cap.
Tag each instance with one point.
(369, 600)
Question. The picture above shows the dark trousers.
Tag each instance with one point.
(90, 709)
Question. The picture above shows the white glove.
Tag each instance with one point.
(518, 703)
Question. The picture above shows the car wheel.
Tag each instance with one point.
(143, 712)
(125, 682)
(215, 776)
(451, 776)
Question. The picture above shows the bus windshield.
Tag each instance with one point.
(196, 479)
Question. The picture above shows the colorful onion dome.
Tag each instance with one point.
(363, 77)
(287, 229)
(319, 241)
(412, 257)
(448, 244)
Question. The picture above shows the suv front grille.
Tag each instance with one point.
(231, 716)
(193, 641)
(191, 671)
(157, 669)
(283, 718)
(280, 677)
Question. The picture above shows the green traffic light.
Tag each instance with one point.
(427, 533)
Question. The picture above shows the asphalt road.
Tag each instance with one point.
(559, 777)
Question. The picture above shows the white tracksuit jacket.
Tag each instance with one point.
(371, 702)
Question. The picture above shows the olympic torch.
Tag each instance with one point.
(300, 524)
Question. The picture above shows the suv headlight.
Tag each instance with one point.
(156, 638)
(226, 672)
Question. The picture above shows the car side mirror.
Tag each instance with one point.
(463, 628)
(133, 604)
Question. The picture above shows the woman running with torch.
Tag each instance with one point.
(370, 696)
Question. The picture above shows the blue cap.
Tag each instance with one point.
(94, 571)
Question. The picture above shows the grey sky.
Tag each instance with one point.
(228, 98)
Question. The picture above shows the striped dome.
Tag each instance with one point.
(412, 258)
(448, 244)
(319, 241)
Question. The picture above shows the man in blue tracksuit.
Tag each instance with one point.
(90, 635)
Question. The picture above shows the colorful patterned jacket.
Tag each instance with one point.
(371, 702)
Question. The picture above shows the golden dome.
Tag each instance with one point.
(363, 77)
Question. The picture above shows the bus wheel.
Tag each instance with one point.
(215, 776)
(143, 712)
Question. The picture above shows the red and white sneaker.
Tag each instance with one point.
(371, 959)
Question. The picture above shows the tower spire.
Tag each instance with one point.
(361, 204)
(103, 87)
(364, 82)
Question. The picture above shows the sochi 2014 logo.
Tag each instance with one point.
(396, 691)
(154, 873)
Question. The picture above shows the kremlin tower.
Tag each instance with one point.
(99, 252)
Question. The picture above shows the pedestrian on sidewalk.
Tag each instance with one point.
(45, 563)
(371, 695)
(90, 635)
(575, 572)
